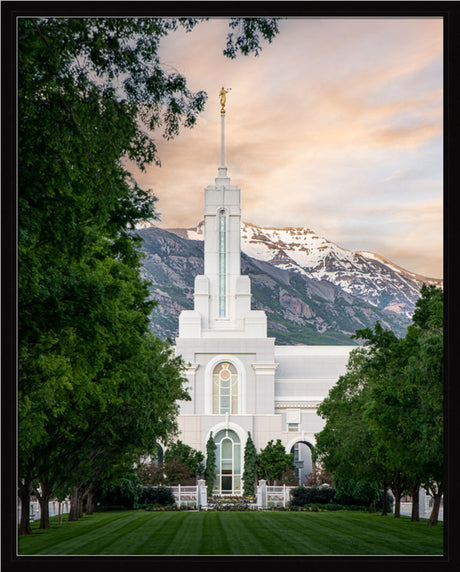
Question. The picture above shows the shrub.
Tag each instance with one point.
(156, 496)
(351, 492)
(123, 493)
(300, 496)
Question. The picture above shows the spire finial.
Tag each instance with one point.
(222, 168)
(223, 91)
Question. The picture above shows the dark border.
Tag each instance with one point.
(10, 11)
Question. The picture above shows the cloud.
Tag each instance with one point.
(338, 122)
(400, 174)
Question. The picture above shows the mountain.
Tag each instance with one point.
(365, 275)
(301, 307)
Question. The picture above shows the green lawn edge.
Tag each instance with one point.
(136, 533)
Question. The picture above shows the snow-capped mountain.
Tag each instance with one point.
(299, 309)
(362, 274)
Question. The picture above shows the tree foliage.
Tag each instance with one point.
(384, 417)
(250, 467)
(188, 456)
(210, 470)
(95, 388)
(273, 461)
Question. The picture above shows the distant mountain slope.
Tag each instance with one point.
(365, 275)
(300, 309)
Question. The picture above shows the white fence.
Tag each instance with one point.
(271, 496)
(191, 495)
(278, 496)
(53, 507)
(185, 495)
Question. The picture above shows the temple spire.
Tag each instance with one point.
(222, 168)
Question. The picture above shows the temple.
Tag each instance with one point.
(239, 380)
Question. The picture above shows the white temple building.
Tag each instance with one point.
(239, 380)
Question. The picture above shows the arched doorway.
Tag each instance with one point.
(303, 460)
(228, 463)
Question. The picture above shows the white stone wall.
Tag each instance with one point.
(266, 401)
(274, 380)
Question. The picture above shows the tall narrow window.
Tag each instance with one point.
(225, 389)
(228, 463)
(222, 263)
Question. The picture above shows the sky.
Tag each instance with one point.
(336, 126)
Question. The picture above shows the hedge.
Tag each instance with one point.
(162, 496)
(301, 496)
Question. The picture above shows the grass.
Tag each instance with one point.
(235, 533)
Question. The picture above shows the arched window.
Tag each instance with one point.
(225, 389)
(228, 462)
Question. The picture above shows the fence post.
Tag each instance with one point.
(178, 496)
(262, 494)
(202, 494)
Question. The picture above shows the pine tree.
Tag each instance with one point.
(250, 460)
(210, 471)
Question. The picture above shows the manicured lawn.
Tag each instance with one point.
(238, 533)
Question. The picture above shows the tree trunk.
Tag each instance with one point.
(44, 496)
(89, 502)
(433, 520)
(397, 493)
(80, 505)
(74, 502)
(313, 471)
(397, 506)
(415, 515)
(59, 512)
(398, 486)
(24, 494)
(385, 500)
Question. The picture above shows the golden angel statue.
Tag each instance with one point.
(222, 99)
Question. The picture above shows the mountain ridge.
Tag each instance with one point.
(300, 308)
(367, 275)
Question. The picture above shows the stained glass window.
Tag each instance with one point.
(225, 389)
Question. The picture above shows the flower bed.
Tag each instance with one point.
(224, 503)
(174, 507)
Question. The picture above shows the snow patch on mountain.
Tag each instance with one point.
(364, 274)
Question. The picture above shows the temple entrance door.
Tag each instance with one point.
(228, 463)
(227, 466)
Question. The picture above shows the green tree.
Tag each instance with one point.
(405, 406)
(93, 383)
(210, 470)
(346, 446)
(426, 372)
(273, 461)
(188, 456)
(250, 467)
(384, 417)
(150, 473)
(122, 491)
(387, 410)
(176, 473)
